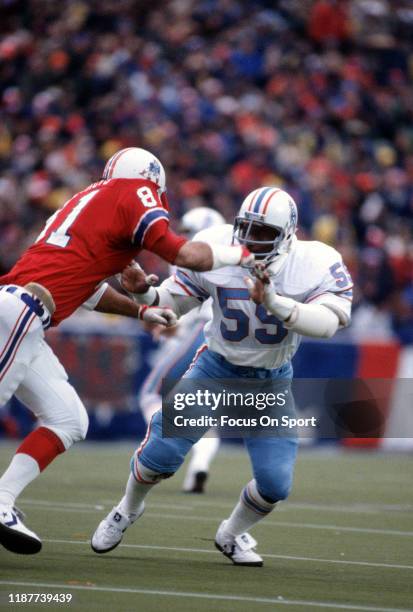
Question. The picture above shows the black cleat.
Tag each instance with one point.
(200, 479)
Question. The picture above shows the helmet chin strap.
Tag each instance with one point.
(275, 266)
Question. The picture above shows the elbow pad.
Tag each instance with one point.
(314, 320)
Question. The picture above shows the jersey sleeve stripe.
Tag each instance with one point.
(347, 294)
(148, 219)
(197, 291)
(183, 287)
(347, 291)
(318, 295)
(345, 297)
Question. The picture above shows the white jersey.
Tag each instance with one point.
(245, 333)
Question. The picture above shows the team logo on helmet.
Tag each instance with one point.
(293, 212)
(153, 171)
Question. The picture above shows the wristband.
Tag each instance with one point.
(224, 255)
(148, 297)
(141, 311)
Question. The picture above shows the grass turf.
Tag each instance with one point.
(342, 541)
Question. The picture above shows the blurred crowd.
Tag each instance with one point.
(313, 95)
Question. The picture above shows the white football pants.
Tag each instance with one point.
(31, 371)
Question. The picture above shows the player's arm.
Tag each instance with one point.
(109, 301)
(199, 256)
(140, 287)
(148, 215)
(313, 320)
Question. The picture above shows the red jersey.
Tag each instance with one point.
(94, 236)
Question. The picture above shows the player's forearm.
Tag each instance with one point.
(113, 302)
(140, 288)
(161, 297)
(313, 320)
(201, 257)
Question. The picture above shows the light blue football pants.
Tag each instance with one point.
(272, 458)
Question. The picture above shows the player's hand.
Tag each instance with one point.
(256, 289)
(158, 315)
(260, 271)
(135, 280)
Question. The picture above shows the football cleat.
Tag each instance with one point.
(14, 535)
(195, 483)
(110, 531)
(239, 549)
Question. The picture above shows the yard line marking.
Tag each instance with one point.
(97, 506)
(268, 555)
(296, 525)
(283, 506)
(195, 595)
(361, 508)
(177, 506)
(47, 504)
(321, 526)
(353, 508)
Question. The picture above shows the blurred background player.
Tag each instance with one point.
(94, 236)
(304, 290)
(178, 346)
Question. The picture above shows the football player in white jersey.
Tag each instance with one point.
(305, 291)
(175, 353)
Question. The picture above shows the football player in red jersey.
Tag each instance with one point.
(93, 237)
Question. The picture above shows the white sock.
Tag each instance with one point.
(250, 509)
(201, 456)
(21, 471)
(135, 492)
(149, 405)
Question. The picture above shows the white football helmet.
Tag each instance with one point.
(135, 163)
(271, 207)
(198, 219)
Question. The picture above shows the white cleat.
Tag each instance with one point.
(239, 549)
(14, 535)
(110, 531)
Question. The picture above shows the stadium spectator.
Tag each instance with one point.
(231, 94)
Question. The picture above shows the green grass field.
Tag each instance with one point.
(344, 540)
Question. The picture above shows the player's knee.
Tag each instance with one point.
(71, 425)
(82, 424)
(146, 475)
(77, 423)
(164, 455)
(274, 485)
